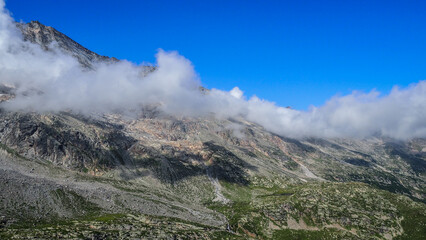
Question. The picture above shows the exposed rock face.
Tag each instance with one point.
(44, 36)
(64, 140)
(157, 172)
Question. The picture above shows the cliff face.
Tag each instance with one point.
(158, 175)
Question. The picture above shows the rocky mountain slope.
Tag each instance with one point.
(111, 176)
(45, 36)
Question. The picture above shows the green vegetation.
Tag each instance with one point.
(113, 226)
(325, 234)
(414, 218)
(321, 211)
(291, 165)
(74, 202)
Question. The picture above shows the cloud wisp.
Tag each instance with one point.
(51, 81)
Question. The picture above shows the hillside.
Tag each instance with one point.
(156, 175)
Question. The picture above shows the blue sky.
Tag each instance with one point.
(295, 53)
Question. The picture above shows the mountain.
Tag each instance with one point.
(44, 36)
(67, 175)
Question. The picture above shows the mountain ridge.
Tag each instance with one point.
(44, 36)
(198, 177)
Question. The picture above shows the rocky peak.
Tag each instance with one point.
(44, 36)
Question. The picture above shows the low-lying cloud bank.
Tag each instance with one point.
(52, 81)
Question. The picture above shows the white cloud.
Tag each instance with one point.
(236, 92)
(53, 81)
